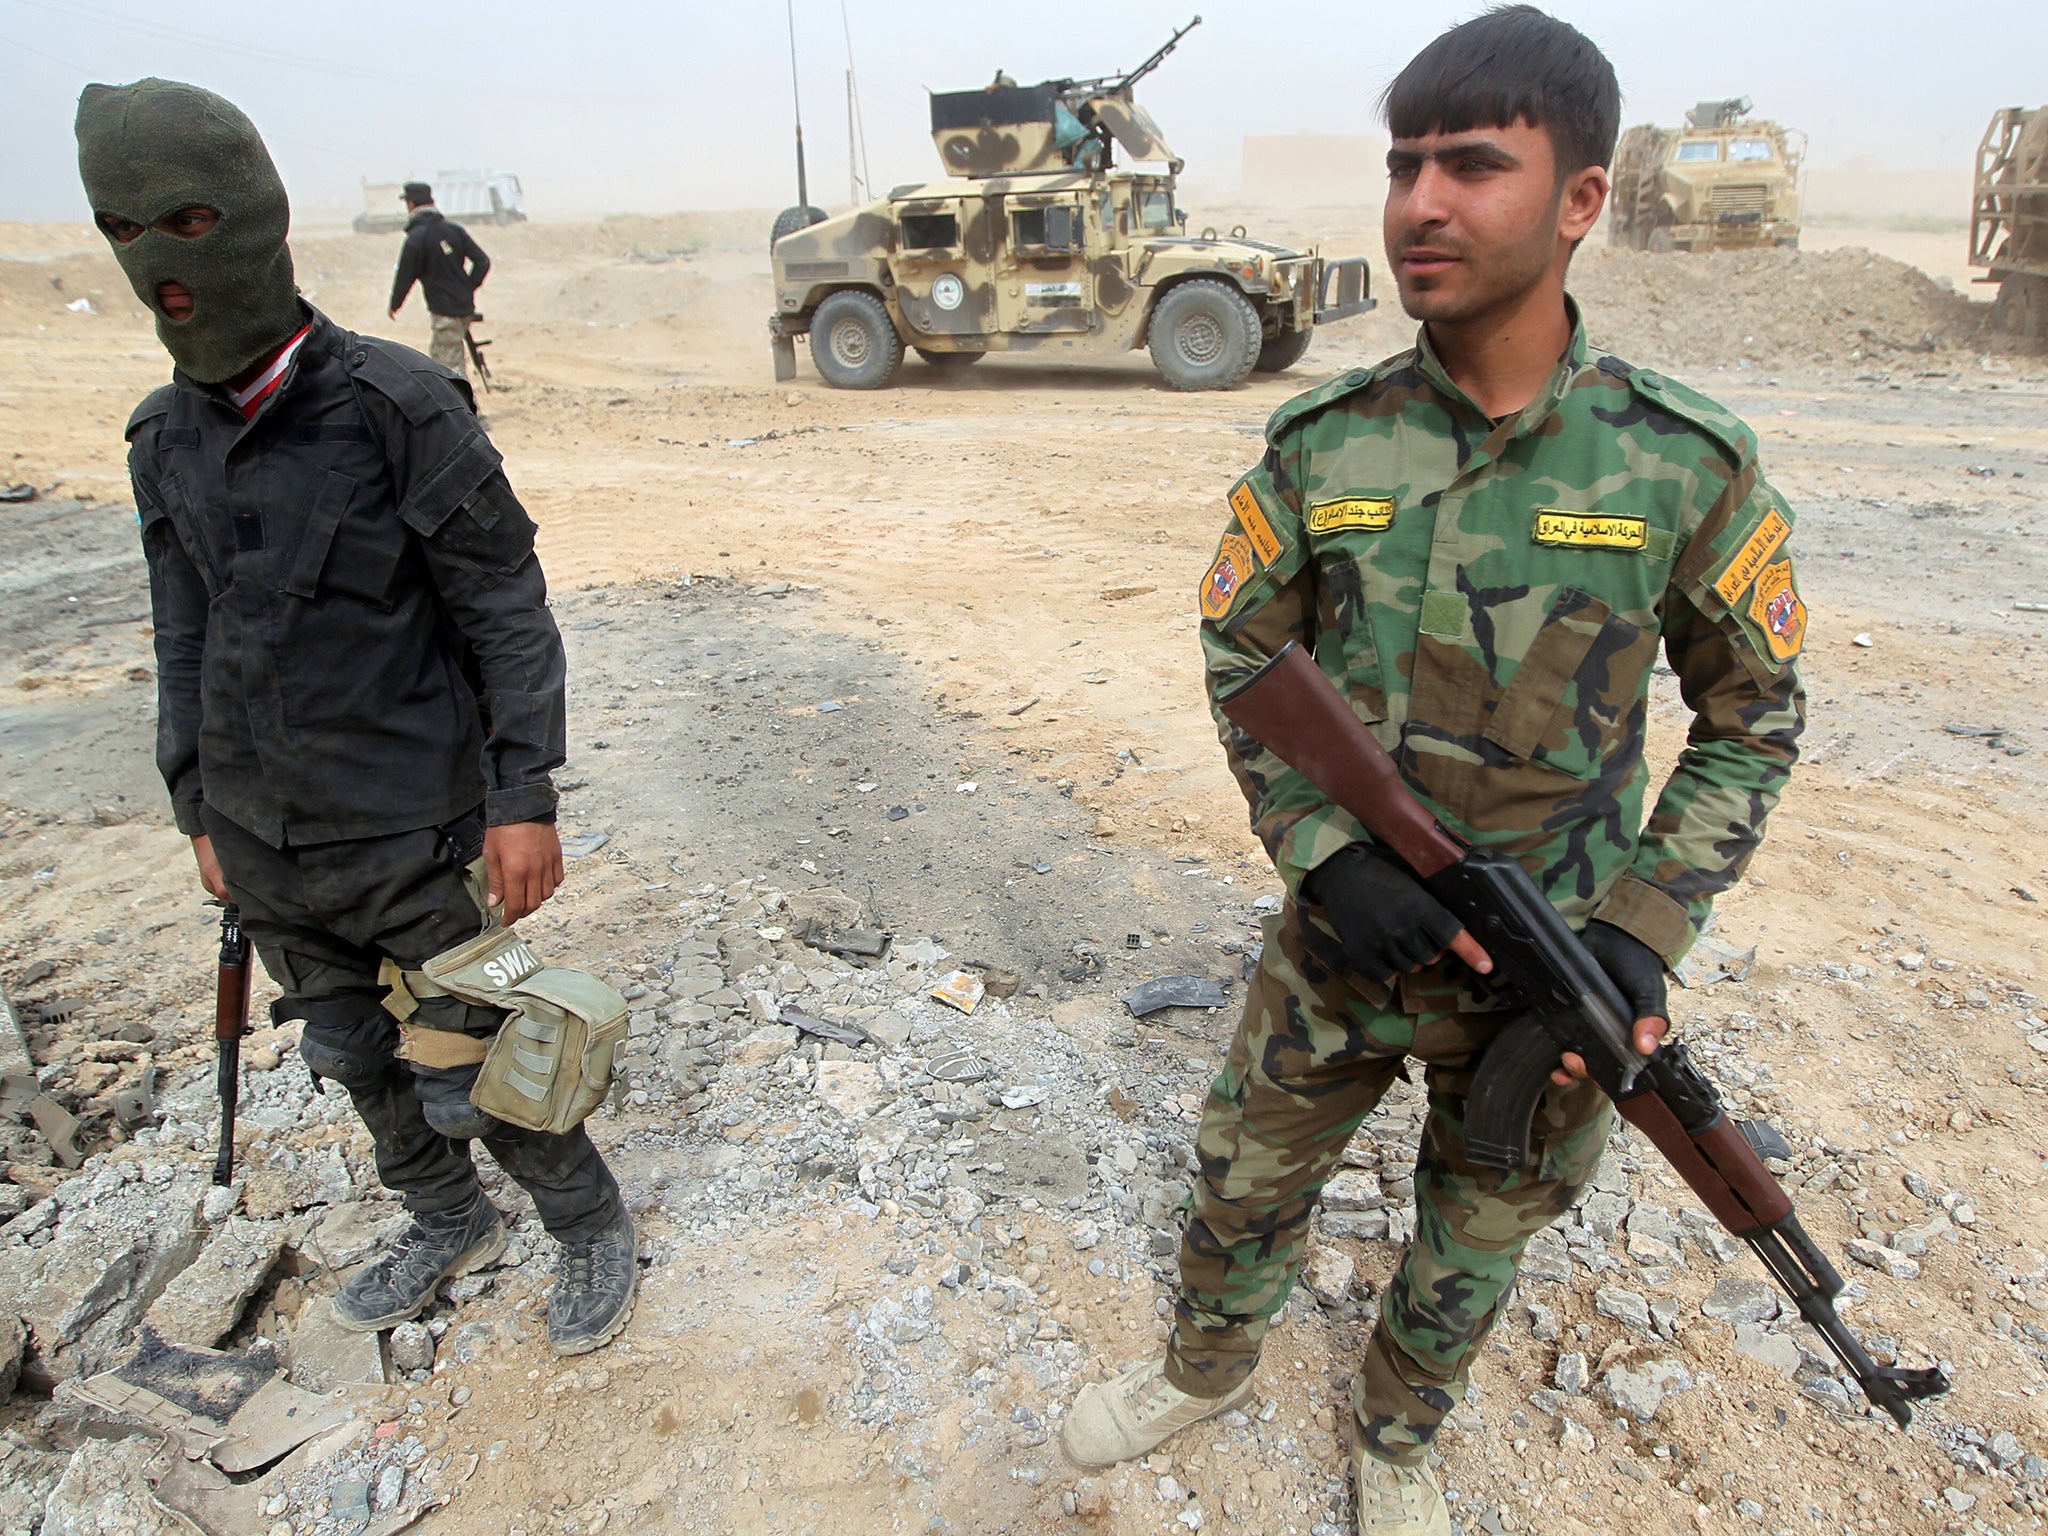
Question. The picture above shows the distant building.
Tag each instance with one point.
(1315, 170)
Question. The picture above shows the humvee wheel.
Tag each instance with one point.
(792, 219)
(951, 362)
(1205, 335)
(853, 343)
(1282, 352)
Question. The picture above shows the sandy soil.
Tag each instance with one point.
(1031, 531)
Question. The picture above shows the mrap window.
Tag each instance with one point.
(930, 231)
(1049, 229)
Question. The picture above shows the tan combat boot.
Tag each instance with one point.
(1397, 1501)
(1133, 1414)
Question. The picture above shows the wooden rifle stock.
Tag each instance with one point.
(230, 1023)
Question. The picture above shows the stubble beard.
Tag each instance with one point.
(1491, 279)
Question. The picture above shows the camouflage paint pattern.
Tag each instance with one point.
(1492, 598)
(1310, 1059)
(1121, 269)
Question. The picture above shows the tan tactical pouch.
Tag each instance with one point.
(550, 1063)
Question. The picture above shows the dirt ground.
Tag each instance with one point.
(989, 574)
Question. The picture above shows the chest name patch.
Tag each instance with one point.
(1589, 530)
(1232, 569)
(1778, 611)
(1373, 514)
(1252, 518)
(1752, 557)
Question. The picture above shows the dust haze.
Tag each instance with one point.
(924, 660)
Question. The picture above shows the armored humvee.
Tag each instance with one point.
(1059, 232)
(1725, 181)
(2009, 221)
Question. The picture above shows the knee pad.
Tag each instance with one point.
(348, 1040)
(444, 1100)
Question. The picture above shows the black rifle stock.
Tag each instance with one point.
(230, 1023)
(1568, 1003)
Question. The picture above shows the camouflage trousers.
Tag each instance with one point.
(450, 344)
(1310, 1060)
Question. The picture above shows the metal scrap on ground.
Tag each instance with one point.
(1173, 992)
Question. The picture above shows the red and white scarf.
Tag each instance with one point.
(249, 398)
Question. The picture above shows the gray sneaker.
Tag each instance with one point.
(593, 1294)
(434, 1248)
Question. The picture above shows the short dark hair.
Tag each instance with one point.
(1506, 65)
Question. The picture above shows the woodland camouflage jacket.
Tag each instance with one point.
(1491, 597)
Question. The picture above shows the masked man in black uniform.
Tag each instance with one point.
(360, 686)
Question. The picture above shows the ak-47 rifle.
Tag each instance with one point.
(1292, 709)
(476, 355)
(230, 1023)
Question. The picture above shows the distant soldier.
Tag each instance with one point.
(360, 696)
(449, 266)
(1485, 541)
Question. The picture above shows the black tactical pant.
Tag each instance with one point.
(322, 917)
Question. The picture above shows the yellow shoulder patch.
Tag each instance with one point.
(1752, 557)
(1374, 514)
(1232, 569)
(1589, 530)
(1778, 611)
(1251, 517)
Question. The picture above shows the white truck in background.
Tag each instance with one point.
(467, 197)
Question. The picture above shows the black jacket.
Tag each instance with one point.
(352, 632)
(443, 260)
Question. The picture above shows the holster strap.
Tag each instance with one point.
(440, 1047)
(402, 1001)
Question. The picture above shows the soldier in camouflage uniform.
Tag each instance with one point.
(1484, 541)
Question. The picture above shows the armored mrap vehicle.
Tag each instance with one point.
(1057, 231)
(2009, 221)
(1725, 181)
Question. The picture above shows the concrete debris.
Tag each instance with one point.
(120, 1238)
(1640, 1392)
(1328, 1274)
(105, 1489)
(1756, 1342)
(1734, 1300)
(204, 1301)
(1625, 1307)
(412, 1347)
(1886, 1260)
(350, 1233)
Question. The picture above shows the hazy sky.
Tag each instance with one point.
(637, 104)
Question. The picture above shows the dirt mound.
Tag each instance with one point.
(1771, 308)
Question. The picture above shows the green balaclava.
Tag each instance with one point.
(149, 149)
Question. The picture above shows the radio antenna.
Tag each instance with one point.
(803, 191)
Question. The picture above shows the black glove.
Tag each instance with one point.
(1632, 965)
(1387, 921)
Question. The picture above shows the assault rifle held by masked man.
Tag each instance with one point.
(230, 1023)
(1292, 709)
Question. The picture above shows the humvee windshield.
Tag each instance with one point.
(1693, 150)
(1155, 208)
(1750, 149)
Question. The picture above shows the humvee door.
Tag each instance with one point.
(1043, 280)
(941, 284)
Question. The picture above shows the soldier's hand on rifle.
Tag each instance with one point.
(1388, 922)
(209, 869)
(1638, 971)
(524, 863)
